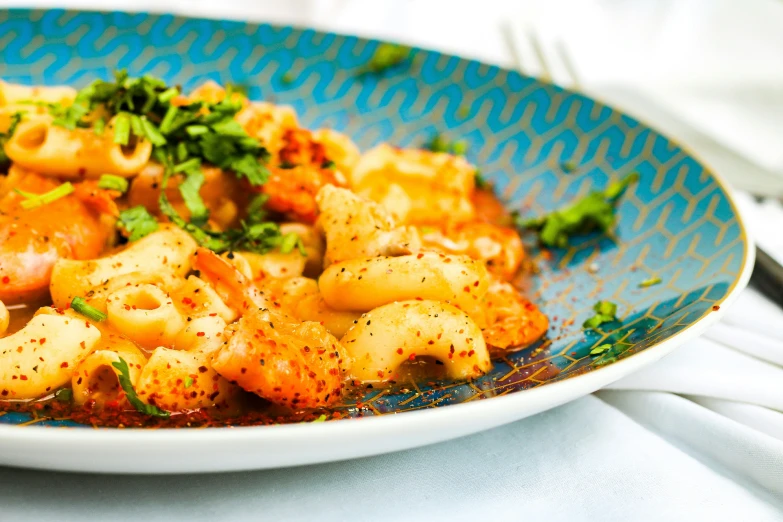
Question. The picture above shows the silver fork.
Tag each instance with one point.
(553, 63)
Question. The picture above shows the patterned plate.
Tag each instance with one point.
(541, 146)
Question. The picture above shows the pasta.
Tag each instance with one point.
(210, 261)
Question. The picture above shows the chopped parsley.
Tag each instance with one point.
(650, 282)
(321, 418)
(15, 118)
(112, 182)
(127, 386)
(568, 166)
(137, 222)
(596, 211)
(386, 56)
(288, 78)
(37, 200)
(481, 181)
(439, 143)
(188, 382)
(598, 350)
(80, 305)
(605, 312)
(64, 395)
(183, 138)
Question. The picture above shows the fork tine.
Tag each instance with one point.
(568, 64)
(523, 53)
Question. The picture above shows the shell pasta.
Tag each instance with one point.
(196, 258)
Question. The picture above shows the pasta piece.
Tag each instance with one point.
(313, 244)
(145, 314)
(5, 319)
(300, 298)
(42, 356)
(274, 264)
(177, 380)
(392, 334)
(438, 186)
(499, 248)
(358, 228)
(339, 149)
(290, 364)
(95, 379)
(166, 251)
(202, 333)
(97, 296)
(39, 145)
(267, 123)
(363, 284)
(198, 299)
(14, 93)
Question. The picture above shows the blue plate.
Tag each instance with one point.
(677, 223)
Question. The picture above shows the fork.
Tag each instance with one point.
(553, 63)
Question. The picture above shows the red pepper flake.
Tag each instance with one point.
(412, 357)
(470, 353)
(466, 289)
(6, 280)
(399, 351)
(64, 365)
(715, 308)
(23, 377)
(200, 334)
(202, 369)
(380, 374)
(419, 256)
(463, 353)
(212, 314)
(42, 340)
(187, 300)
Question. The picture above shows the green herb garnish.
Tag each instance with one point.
(137, 222)
(288, 78)
(439, 143)
(64, 395)
(188, 382)
(481, 181)
(5, 136)
(112, 182)
(80, 305)
(386, 56)
(596, 211)
(568, 166)
(605, 312)
(37, 200)
(130, 393)
(598, 350)
(183, 138)
(650, 282)
(322, 418)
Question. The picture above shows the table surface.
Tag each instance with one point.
(711, 449)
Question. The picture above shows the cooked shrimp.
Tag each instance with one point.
(267, 123)
(233, 287)
(513, 321)
(499, 248)
(290, 364)
(292, 191)
(31, 241)
(356, 227)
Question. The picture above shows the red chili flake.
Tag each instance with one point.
(412, 357)
(6, 280)
(64, 365)
(463, 353)
(202, 369)
(419, 256)
(23, 377)
(476, 283)
(470, 353)
(42, 340)
(715, 308)
(447, 260)
(399, 351)
(212, 314)
(466, 289)
(380, 374)
(430, 342)
(200, 334)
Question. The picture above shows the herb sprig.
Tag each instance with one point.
(185, 135)
(127, 386)
(605, 312)
(596, 211)
(386, 56)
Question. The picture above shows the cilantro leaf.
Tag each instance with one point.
(439, 143)
(598, 350)
(137, 222)
(605, 312)
(596, 211)
(386, 56)
(189, 189)
(130, 392)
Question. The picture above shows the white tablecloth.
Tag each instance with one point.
(712, 449)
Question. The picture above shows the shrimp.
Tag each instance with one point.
(267, 123)
(31, 241)
(291, 364)
(513, 321)
(298, 171)
(356, 227)
(287, 362)
(499, 248)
